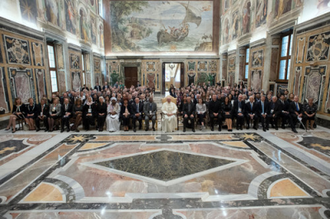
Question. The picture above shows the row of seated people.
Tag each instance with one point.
(89, 113)
(266, 111)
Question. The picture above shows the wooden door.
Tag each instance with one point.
(131, 76)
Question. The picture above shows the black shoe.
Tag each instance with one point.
(241, 127)
(67, 130)
(147, 130)
(140, 127)
(62, 130)
(219, 129)
(212, 129)
(248, 127)
(153, 129)
(77, 130)
(134, 130)
(267, 128)
(276, 128)
(184, 129)
(294, 130)
(283, 127)
(46, 130)
(264, 129)
(255, 127)
(37, 130)
(193, 130)
(237, 128)
(230, 130)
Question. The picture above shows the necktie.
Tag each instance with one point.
(251, 106)
(239, 104)
(297, 106)
(189, 107)
(137, 108)
(150, 107)
(262, 104)
(66, 107)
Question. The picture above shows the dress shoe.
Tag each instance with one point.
(147, 129)
(248, 127)
(184, 129)
(276, 128)
(153, 129)
(294, 130)
(62, 130)
(255, 127)
(77, 130)
(68, 130)
(37, 129)
(283, 127)
(46, 130)
(219, 129)
(264, 129)
(212, 129)
(193, 130)
(134, 130)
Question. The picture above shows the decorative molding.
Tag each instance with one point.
(258, 43)
(313, 23)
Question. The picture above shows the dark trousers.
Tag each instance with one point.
(264, 121)
(239, 120)
(186, 120)
(125, 120)
(293, 120)
(147, 118)
(272, 120)
(100, 121)
(89, 120)
(45, 122)
(219, 117)
(65, 121)
(139, 118)
(285, 118)
(255, 120)
(201, 117)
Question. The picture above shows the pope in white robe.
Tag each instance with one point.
(113, 123)
(169, 121)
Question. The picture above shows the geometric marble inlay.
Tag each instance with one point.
(45, 193)
(164, 166)
(286, 188)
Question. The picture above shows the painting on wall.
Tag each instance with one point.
(261, 12)
(257, 59)
(191, 66)
(158, 26)
(282, 7)
(202, 66)
(246, 17)
(21, 84)
(101, 34)
(70, 16)
(29, 10)
(235, 25)
(313, 83)
(226, 32)
(93, 29)
(256, 79)
(213, 66)
(37, 54)
(318, 47)
(52, 12)
(76, 81)
(74, 61)
(84, 25)
(17, 51)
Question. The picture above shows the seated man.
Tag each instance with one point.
(43, 114)
(215, 111)
(285, 115)
(66, 114)
(274, 111)
(137, 110)
(296, 111)
(263, 110)
(239, 111)
(169, 122)
(251, 110)
(150, 110)
(189, 110)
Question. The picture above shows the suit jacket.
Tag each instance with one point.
(293, 108)
(215, 107)
(105, 87)
(266, 107)
(276, 107)
(254, 110)
(134, 108)
(69, 109)
(123, 108)
(235, 108)
(86, 107)
(146, 108)
(192, 109)
(101, 109)
(45, 110)
(285, 106)
(98, 88)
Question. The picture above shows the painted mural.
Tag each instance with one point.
(246, 18)
(29, 10)
(161, 26)
(318, 47)
(84, 25)
(282, 7)
(52, 12)
(93, 29)
(261, 12)
(18, 51)
(70, 16)
(236, 25)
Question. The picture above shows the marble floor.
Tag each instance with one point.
(153, 175)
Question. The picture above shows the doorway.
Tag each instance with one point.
(131, 76)
(173, 73)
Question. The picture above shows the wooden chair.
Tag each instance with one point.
(173, 100)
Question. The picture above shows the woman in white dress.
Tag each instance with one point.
(113, 123)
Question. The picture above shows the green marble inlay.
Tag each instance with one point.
(164, 165)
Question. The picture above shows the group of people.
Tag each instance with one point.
(113, 106)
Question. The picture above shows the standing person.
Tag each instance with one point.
(43, 114)
(18, 113)
(189, 110)
(310, 109)
(215, 111)
(113, 123)
(54, 113)
(97, 87)
(125, 114)
(101, 109)
(274, 111)
(296, 112)
(228, 113)
(89, 113)
(201, 111)
(137, 110)
(66, 115)
(263, 110)
(106, 86)
(150, 110)
(169, 123)
(239, 112)
(77, 112)
(31, 113)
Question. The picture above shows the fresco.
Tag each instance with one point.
(261, 12)
(84, 25)
(246, 17)
(226, 32)
(29, 10)
(236, 25)
(52, 12)
(282, 7)
(93, 29)
(70, 16)
(161, 26)
(101, 35)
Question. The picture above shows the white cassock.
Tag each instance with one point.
(169, 123)
(113, 123)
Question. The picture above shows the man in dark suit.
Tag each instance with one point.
(274, 111)
(105, 85)
(296, 111)
(97, 87)
(66, 110)
(189, 110)
(285, 114)
(251, 110)
(239, 112)
(263, 110)
(84, 87)
(43, 114)
(150, 110)
(215, 111)
(137, 110)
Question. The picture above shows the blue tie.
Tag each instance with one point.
(297, 106)
(262, 107)
(251, 106)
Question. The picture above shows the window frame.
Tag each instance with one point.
(53, 69)
(288, 34)
(246, 64)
